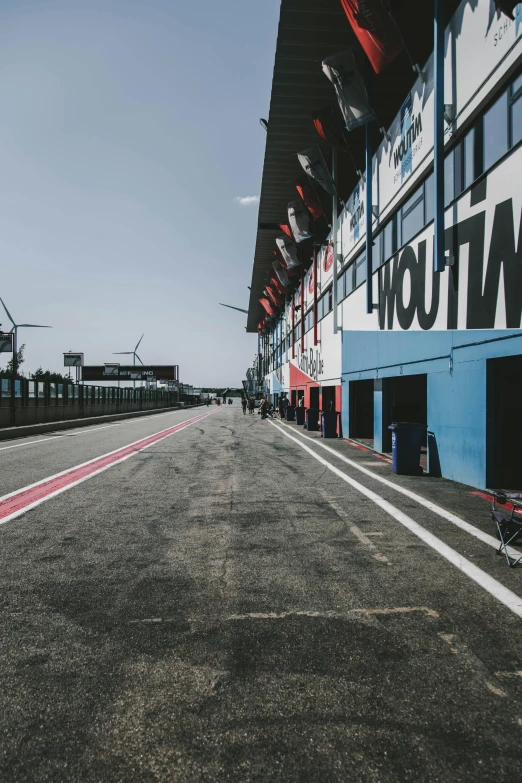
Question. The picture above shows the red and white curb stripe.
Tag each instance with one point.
(21, 500)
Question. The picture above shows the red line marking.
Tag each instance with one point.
(489, 498)
(40, 491)
(483, 496)
(381, 456)
(356, 445)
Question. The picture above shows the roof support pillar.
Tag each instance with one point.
(369, 218)
(302, 313)
(281, 341)
(334, 240)
(315, 294)
(439, 260)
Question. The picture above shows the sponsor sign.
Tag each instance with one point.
(410, 140)
(6, 342)
(131, 373)
(492, 37)
(481, 286)
(73, 360)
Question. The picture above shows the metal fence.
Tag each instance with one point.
(40, 401)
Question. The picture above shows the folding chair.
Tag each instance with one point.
(508, 521)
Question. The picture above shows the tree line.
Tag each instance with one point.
(14, 364)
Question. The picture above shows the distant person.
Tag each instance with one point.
(264, 408)
(230, 401)
(244, 405)
(281, 407)
(251, 406)
(301, 402)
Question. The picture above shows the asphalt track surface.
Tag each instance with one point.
(223, 606)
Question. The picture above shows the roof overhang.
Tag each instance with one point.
(309, 31)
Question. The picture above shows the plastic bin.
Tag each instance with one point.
(290, 413)
(312, 419)
(329, 424)
(299, 415)
(406, 447)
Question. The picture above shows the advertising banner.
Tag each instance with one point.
(343, 71)
(375, 29)
(300, 220)
(314, 164)
(130, 373)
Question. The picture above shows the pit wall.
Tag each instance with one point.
(455, 365)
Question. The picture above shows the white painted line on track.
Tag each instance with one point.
(88, 430)
(480, 577)
(154, 438)
(441, 512)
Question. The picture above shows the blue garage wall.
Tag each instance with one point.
(457, 417)
(455, 363)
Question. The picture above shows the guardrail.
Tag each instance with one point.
(35, 402)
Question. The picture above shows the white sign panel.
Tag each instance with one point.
(481, 289)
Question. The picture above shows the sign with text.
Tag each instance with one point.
(73, 360)
(130, 373)
(6, 343)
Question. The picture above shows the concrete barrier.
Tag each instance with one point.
(8, 433)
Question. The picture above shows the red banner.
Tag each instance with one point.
(309, 197)
(287, 230)
(376, 31)
(329, 126)
(277, 285)
(273, 295)
(268, 306)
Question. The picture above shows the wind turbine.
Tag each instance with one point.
(14, 330)
(240, 309)
(132, 353)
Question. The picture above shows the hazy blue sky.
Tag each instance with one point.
(128, 128)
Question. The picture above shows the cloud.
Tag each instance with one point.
(247, 201)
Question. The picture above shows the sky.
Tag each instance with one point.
(131, 158)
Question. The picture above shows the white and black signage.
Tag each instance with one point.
(403, 282)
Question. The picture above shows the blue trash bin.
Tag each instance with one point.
(329, 424)
(299, 415)
(289, 413)
(312, 419)
(406, 447)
